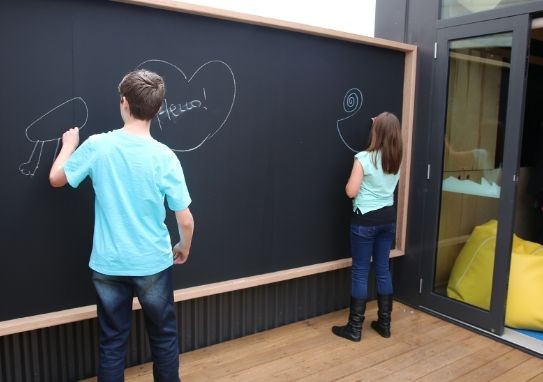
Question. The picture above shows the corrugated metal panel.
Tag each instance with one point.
(61, 353)
(69, 352)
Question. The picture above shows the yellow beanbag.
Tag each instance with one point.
(524, 309)
(471, 277)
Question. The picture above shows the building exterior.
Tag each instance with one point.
(476, 134)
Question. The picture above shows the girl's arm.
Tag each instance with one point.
(355, 180)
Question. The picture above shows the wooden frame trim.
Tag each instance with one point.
(67, 316)
(88, 312)
(410, 77)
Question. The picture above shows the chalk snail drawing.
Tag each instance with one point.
(352, 103)
(45, 129)
(172, 111)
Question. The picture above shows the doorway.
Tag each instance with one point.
(477, 127)
(529, 205)
(486, 268)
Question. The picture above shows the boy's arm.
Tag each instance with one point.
(185, 223)
(70, 141)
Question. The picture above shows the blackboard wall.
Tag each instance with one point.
(263, 121)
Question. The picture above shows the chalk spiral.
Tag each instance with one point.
(352, 100)
(352, 103)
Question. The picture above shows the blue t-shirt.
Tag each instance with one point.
(377, 188)
(131, 176)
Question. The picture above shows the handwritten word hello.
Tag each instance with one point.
(176, 110)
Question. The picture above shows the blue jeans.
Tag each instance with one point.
(155, 294)
(367, 242)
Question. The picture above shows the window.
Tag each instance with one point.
(455, 8)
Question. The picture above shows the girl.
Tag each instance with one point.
(371, 185)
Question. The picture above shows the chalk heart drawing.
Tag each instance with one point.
(50, 127)
(352, 103)
(196, 107)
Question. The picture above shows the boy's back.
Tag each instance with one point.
(131, 175)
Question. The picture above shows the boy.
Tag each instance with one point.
(131, 255)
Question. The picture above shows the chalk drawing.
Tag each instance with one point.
(352, 102)
(43, 130)
(174, 110)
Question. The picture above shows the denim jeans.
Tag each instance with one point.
(155, 294)
(367, 242)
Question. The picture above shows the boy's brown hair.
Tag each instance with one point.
(386, 138)
(144, 90)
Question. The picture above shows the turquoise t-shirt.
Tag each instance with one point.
(377, 188)
(131, 176)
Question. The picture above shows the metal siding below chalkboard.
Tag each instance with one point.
(70, 352)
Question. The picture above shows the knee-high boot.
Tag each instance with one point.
(382, 325)
(353, 330)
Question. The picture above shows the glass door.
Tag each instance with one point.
(473, 169)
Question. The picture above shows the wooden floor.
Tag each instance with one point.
(422, 348)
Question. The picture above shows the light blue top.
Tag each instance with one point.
(131, 176)
(377, 188)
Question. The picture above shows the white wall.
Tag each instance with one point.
(352, 16)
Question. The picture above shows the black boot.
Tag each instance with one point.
(353, 330)
(382, 325)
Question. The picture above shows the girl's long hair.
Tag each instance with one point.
(386, 138)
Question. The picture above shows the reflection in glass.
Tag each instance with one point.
(472, 157)
(454, 8)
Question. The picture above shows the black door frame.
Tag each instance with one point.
(492, 320)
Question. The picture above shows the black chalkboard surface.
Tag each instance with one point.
(265, 122)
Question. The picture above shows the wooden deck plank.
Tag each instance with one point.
(422, 348)
(457, 350)
(456, 369)
(525, 371)
(497, 367)
(293, 352)
(387, 366)
(537, 378)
